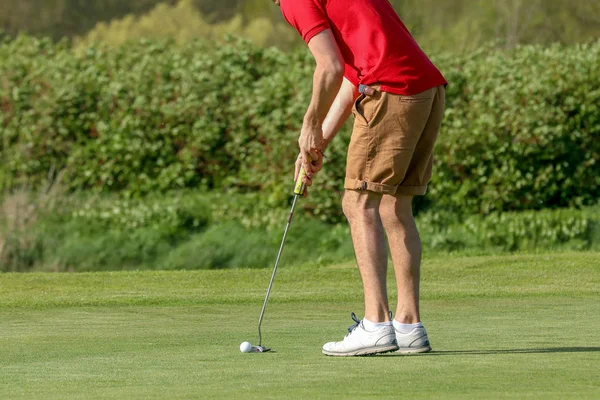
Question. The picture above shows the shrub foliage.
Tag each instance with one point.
(521, 131)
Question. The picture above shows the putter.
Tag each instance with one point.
(298, 191)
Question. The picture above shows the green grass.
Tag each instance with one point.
(520, 326)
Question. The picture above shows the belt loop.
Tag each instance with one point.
(366, 90)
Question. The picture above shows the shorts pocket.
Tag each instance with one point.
(357, 110)
(370, 110)
(423, 97)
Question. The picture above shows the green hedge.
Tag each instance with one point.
(513, 231)
(521, 132)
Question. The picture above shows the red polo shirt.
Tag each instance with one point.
(375, 44)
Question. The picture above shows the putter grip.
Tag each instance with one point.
(300, 186)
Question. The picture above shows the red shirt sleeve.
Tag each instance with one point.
(307, 16)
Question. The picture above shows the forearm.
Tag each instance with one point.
(327, 80)
(340, 111)
(326, 86)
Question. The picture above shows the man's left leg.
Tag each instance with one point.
(368, 238)
(405, 247)
(375, 333)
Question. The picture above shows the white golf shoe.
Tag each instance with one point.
(413, 343)
(360, 342)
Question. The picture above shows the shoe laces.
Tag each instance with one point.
(353, 327)
(357, 322)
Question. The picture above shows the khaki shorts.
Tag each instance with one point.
(391, 149)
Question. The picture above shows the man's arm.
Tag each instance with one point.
(338, 115)
(327, 81)
(327, 78)
(340, 111)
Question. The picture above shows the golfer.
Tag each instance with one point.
(368, 64)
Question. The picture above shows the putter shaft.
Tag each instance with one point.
(287, 227)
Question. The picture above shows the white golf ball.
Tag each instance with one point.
(245, 347)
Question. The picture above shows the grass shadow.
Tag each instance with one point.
(514, 351)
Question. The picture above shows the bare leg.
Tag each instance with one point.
(362, 210)
(405, 247)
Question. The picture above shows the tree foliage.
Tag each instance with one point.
(448, 25)
(459, 25)
(183, 22)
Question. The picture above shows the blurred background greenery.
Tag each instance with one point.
(448, 25)
(138, 134)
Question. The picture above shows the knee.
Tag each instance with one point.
(360, 206)
(396, 210)
(348, 206)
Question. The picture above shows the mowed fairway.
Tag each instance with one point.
(521, 326)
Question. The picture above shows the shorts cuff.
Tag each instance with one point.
(411, 190)
(355, 184)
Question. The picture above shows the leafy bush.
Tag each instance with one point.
(521, 129)
(178, 212)
(513, 231)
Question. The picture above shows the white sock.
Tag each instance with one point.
(406, 328)
(373, 326)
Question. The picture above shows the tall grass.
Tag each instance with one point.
(53, 231)
(22, 212)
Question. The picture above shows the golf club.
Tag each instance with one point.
(298, 191)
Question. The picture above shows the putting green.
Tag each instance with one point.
(522, 326)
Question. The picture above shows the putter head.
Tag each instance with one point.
(261, 349)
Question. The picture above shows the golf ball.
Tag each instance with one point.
(245, 347)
